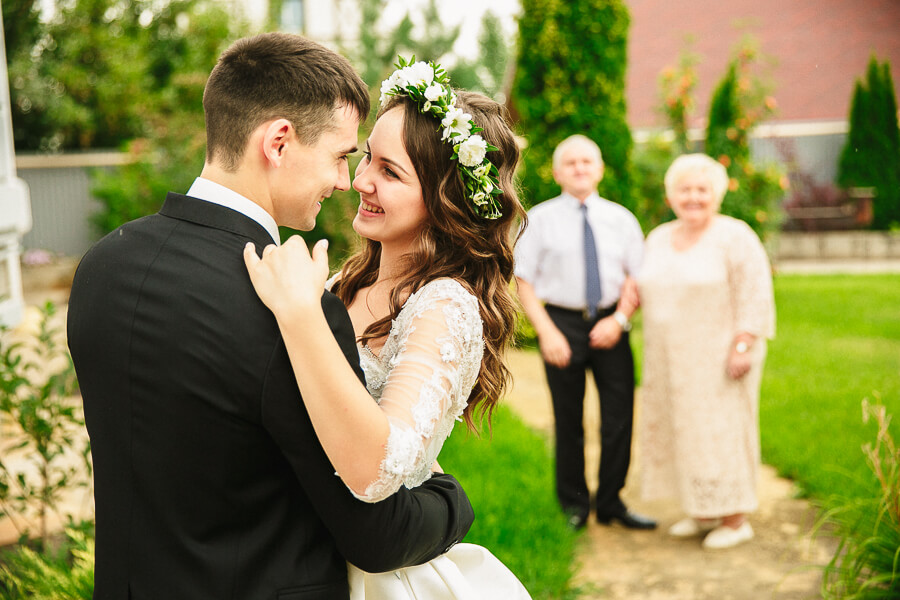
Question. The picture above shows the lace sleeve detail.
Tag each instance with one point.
(434, 355)
(750, 277)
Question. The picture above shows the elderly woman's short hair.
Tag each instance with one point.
(576, 140)
(698, 163)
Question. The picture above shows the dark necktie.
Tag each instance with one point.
(591, 267)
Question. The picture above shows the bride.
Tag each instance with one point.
(429, 300)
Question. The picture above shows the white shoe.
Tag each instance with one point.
(726, 537)
(690, 527)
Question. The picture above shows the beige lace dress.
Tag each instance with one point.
(699, 434)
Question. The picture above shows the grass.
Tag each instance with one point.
(509, 479)
(838, 343)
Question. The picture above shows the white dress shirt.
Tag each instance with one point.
(550, 253)
(210, 191)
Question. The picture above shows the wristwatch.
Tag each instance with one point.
(622, 320)
(741, 347)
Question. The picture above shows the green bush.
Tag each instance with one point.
(739, 102)
(64, 574)
(871, 155)
(651, 159)
(37, 380)
(570, 78)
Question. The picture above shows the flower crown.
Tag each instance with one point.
(428, 85)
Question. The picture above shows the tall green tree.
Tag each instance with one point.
(723, 136)
(21, 25)
(170, 151)
(570, 78)
(90, 76)
(871, 155)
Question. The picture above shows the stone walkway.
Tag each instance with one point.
(782, 562)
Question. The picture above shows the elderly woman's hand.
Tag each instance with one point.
(739, 361)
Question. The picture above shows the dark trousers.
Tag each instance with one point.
(613, 371)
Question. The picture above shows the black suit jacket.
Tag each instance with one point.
(210, 482)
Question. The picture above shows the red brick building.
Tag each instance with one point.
(820, 48)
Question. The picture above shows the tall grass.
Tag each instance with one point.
(866, 565)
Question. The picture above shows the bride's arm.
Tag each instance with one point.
(351, 427)
(373, 448)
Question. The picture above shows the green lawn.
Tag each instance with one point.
(838, 342)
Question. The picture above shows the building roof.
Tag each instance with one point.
(820, 47)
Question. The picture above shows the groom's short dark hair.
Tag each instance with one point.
(276, 75)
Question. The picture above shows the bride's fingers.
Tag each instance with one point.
(250, 257)
(320, 254)
(268, 250)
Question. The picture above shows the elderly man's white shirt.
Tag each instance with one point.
(550, 253)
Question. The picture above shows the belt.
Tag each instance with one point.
(583, 313)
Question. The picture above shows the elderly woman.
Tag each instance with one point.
(706, 291)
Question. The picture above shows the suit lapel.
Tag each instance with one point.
(209, 214)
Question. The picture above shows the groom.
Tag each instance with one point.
(210, 482)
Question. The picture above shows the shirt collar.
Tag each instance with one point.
(592, 199)
(210, 191)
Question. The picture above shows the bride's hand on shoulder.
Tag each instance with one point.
(288, 279)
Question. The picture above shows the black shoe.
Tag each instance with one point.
(577, 522)
(628, 519)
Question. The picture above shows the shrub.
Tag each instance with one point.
(67, 574)
(871, 156)
(37, 380)
(570, 78)
(739, 102)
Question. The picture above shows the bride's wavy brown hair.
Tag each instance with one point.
(454, 241)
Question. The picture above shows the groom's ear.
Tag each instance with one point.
(277, 135)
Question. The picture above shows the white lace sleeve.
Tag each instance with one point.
(431, 361)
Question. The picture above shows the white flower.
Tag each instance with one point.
(389, 84)
(458, 122)
(471, 152)
(479, 199)
(434, 91)
(417, 74)
(481, 171)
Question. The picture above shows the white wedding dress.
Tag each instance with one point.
(422, 378)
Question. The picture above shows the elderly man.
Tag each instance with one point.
(574, 267)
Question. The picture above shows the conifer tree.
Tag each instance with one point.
(570, 78)
(871, 155)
